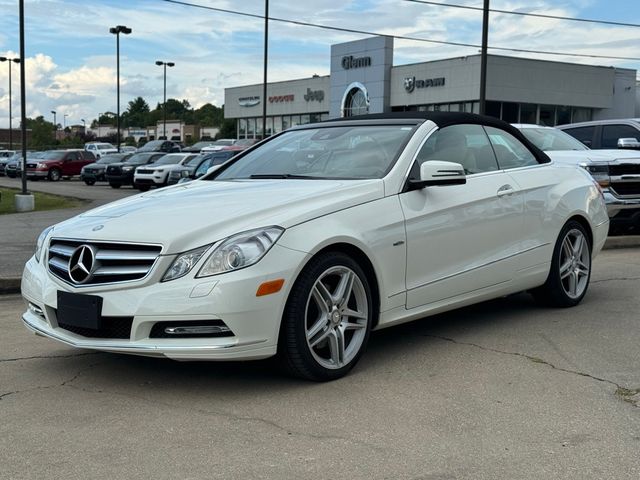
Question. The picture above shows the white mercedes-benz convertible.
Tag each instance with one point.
(303, 244)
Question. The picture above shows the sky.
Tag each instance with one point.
(71, 61)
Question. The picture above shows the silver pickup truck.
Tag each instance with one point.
(616, 170)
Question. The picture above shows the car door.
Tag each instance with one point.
(460, 238)
(71, 164)
(534, 182)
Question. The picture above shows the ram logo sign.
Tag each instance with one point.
(410, 83)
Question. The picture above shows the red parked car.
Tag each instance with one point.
(59, 163)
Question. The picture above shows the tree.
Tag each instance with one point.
(42, 133)
(136, 113)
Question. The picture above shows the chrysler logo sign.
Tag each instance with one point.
(410, 83)
(249, 101)
(81, 264)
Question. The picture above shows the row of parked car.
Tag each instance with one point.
(157, 163)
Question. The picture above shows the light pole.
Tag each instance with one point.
(99, 115)
(64, 121)
(117, 30)
(10, 60)
(164, 105)
(84, 127)
(55, 125)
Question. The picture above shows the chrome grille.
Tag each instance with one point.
(114, 170)
(624, 169)
(113, 262)
(144, 170)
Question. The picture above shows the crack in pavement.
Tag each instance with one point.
(35, 357)
(235, 417)
(624, 393)
(46, 387)
(618, 279)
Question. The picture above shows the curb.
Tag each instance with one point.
(9, 285)
(627, 241)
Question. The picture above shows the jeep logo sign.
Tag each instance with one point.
(353, 62)
(317, 95)
(410, 83)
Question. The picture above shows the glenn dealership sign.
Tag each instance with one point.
(350, 62)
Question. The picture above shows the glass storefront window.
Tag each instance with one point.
(304, 119)
(314, 117)
(286, 122)
(242, 128)
(277, 124)
(579, 114)
(528, 113)
(251, 127)
(510, 112)
(563, 115)
(492, 109)
(548, 115)
(295, 120)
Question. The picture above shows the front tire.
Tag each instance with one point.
(115, 185)
(90, 182)
(570, 270)
(54, 174)
(327, 318)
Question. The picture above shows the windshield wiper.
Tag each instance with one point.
(282, 175)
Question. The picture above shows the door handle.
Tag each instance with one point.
(505, 190)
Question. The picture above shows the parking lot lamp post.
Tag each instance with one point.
(64, 121)
(10, 60)
(164, 104)
(117, 30)
(84, 127)
(55, 125)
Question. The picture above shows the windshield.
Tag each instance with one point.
(105, 146)
(151, 146)
(550, 139)
(246, 142)
(169, 159)
(202, 144)
(113, 158)
(194, 161)
(329, 152)
(52, 155)
(223, 142)
(139, 158)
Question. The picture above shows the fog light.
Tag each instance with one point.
(36, 310)
(197, 330)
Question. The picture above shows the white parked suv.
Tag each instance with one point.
(616, 170)
(157, 174)
(219, 145)
(100, 148)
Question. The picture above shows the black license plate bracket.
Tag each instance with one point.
(79, 310)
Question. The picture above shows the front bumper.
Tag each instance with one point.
(122, 179)
(95, 176)
(230, 297)
(37, 173)
(616, 204)
(156, 179)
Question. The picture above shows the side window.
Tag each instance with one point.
(202, 169)
(584, 134)
(71, 156)
(467, 145)
(611, 134)
(511, 153)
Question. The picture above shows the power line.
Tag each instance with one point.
(400, 37)
(525, 14)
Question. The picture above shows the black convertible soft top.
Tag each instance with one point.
(443, 119)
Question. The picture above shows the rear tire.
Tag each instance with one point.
(90, 182)
(570, 272)
(115, 185)
(326, 323)
(142, 188)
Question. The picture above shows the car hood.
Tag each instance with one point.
(580, 156)
(189, 215)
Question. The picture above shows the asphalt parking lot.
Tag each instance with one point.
(500, 390)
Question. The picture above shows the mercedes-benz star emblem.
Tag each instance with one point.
(81, 264)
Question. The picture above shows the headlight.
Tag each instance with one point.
(240, 251)
(599, 172)
(40, 242)
(184, 263)
(41, 165)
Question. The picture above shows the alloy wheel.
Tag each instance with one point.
(575, 263)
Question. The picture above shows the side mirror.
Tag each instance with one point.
(628, 143)
(436, 172)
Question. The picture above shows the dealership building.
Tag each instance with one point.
(364, 80)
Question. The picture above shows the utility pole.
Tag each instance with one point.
(483, 58)
(264, 84)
